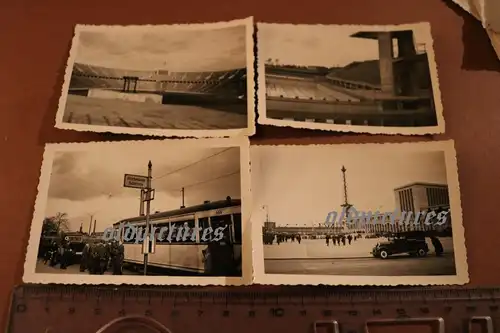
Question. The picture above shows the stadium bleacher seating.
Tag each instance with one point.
(86, 76)
(366, 72)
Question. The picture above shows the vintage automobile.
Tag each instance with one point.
(400, 244)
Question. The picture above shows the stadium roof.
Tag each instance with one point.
(420, 184)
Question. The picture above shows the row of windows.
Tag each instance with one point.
(437, 196)
(183, 232)
(406, 200)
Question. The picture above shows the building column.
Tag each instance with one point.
(407, 51)
(385, 62)
(406, 44)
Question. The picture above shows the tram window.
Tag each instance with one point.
(237, 228)
(131, 238)
(161, 232)
(187, 235)
(157, 227)
(221, 221)
(203, 224)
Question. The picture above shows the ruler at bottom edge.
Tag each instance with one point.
(36, 308)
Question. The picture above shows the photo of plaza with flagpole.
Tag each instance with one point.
(398, 223)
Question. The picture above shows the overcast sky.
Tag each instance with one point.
(84, 183)
(164, 48)
(301, 184)
(317, 45)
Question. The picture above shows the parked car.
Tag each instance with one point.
(415, 246)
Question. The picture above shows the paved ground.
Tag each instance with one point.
(316, 248)
(314, 257)
(73, 269)
(104, 112)
(397, 266)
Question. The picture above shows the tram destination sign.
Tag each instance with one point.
(135, 181)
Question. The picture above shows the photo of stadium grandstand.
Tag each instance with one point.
(178, 80)
(349, 78)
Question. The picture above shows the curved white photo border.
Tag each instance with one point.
(462, 275)
(424, 28)
(31, 276)
(197, 133)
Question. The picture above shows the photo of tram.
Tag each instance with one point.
(145, 217)
(191, 256)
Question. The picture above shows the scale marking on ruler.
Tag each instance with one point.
(75, 309)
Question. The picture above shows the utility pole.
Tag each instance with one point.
(143, 183)
(141, 207)
(148, 211)
(266, 207)
(182, 195)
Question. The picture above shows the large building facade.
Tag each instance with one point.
(417, 197)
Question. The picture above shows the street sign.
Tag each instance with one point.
(135, 181)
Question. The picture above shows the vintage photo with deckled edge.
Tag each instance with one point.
(184, 80)
(94, 200)
(298, 240)
(339, 78)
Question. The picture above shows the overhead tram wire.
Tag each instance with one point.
(192, 164)
(208, 180)
(109, 195)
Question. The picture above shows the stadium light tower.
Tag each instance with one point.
(346, 205)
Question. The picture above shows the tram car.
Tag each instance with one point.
(184, 256)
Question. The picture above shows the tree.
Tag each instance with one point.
(55, 224)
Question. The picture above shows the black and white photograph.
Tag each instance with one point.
(142, 212)
(349, 78)
(358, 214)
(186, 80)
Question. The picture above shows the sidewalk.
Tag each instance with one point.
(317, 249)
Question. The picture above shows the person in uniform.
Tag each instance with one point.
(438, 247)
(54, 254)
(47, 257)
(64, 254)
(84, 262)
(117, 257)
(207, 261)
(221, 256)
(97, 257)
(90, 265)
(101, 258)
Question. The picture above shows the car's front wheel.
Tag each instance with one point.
(384, 254)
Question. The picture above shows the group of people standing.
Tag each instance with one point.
(58, 254)
(340, 240)
(96, 258)
(270, 238)
(334, 239)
